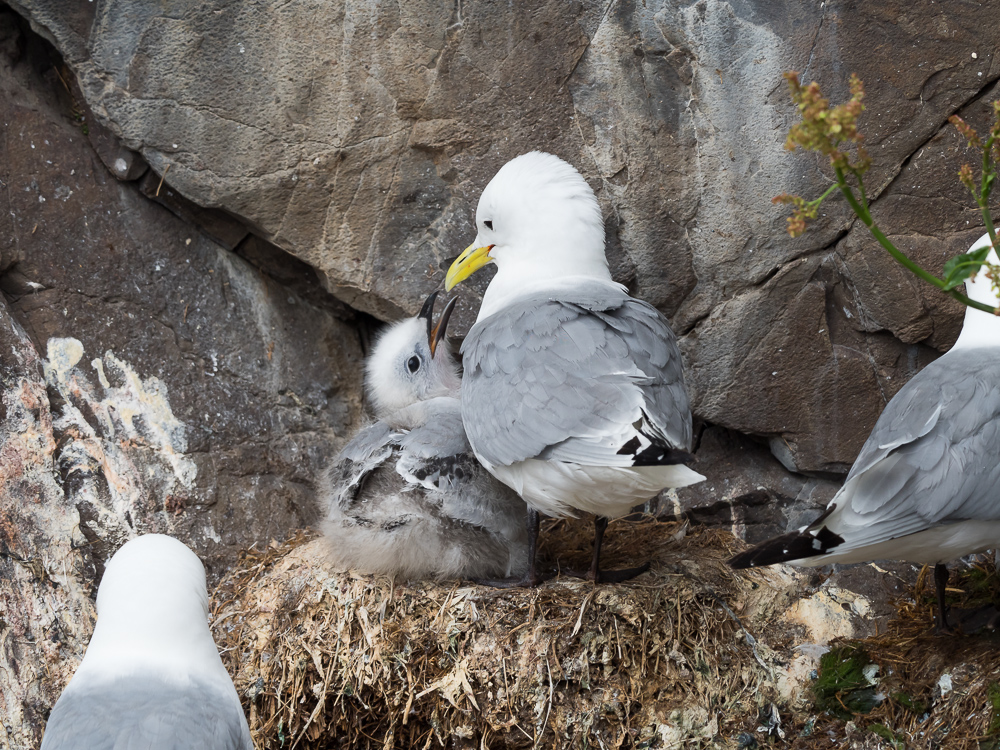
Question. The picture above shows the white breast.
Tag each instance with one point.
(558, 488)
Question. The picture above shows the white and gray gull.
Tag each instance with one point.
(926, 485)
(406, 496)
(573, 391)
(152, 677)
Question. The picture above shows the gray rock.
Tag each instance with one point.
(162, 346)
(123, 163)
(747, 490)
(150, 381)
(357, 137)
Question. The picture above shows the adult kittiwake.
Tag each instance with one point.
(406, 496)
(152, 677)
(924, 488)
(573, 393)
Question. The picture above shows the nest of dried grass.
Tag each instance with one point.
(325, 659)
(936, 690)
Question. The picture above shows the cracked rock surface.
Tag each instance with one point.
(151, 380)
(357, 136)
(206, 201)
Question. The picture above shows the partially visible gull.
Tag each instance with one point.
(152, 677)
(406, 496)
(925, 487)
(573, 393)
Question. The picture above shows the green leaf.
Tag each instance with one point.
(915, 706)
(961, 267)
(887, 734)
(842, 689)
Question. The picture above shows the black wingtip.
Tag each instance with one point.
(797, 545)
(655, 454)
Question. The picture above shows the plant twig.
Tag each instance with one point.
(824, 130)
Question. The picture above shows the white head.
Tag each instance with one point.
(152, 612)
(539, 222)
(411, 361)
(980, 328)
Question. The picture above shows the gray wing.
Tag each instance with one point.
(136, 714)
(932, 457)
(441, 434)
(437, 456)
(421, 456)
(416, 502)
(367, 443)
(346, 475)
(596, 379)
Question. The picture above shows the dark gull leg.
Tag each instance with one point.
(969, 620)
(595, 573)
(940, 582)
(530, 578)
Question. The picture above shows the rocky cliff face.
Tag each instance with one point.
(205, 201)
(151, 379)
(356, 136)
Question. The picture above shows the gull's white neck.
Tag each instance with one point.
(152, 616)
(515, 280)
(980, 329)
(179, 648)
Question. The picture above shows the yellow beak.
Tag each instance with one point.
(466, 264)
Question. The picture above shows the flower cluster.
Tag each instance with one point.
(804, 211)
(823, 128)
(990, 151)
(827, 130)
(967, 130)
(965, 174)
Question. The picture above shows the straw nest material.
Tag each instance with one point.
(929, 690)
(327, 659)
(689, 655)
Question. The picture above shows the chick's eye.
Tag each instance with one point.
(413, 363)
(489, 224)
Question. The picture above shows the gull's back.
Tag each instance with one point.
(152, 677)
(134, 713)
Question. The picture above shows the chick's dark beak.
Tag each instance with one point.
(435, 336)
(427, 313)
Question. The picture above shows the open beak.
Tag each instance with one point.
(435, 336)
(467, 264)
(427, 313)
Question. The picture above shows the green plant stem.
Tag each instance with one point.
(971, 302)
(825, 195)
(984, 192)
(861, 189)
(988, 221)
(901, 258)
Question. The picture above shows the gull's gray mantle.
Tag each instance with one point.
(564, 379)
(138, 712)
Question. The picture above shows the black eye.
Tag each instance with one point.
(489, 224)
(413, 363)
